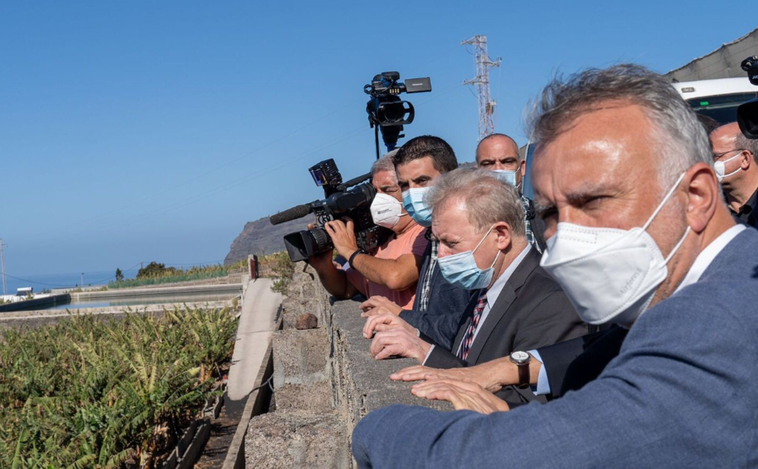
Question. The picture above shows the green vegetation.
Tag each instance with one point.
(119, 275)
(156, 274)
(279, 267)
(93, 393)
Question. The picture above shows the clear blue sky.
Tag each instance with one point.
(139, 131)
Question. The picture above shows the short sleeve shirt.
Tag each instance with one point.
(413, 242)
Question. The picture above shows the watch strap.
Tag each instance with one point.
(352, 256)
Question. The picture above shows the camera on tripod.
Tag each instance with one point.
(353, 198)
(386, 111)
(340, 201)
(747, 113)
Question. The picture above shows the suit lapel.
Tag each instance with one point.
(508, 295)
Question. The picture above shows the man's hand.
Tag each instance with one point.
(343, 237)
(398, 342)
(484, 375)
(385, 322)
(463, 396)
(377, 305)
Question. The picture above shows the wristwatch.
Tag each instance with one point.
(521, 360)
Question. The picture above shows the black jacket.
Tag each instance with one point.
(447, 305)
(531, 312)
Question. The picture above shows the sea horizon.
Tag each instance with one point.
(41, 282)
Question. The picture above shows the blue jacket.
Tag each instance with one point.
(681, 394)
(447, 304)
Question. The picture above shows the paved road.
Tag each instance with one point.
(259, 308)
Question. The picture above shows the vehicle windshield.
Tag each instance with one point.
(721, 108)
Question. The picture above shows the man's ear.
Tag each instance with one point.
(523, 168)
(503, 232)
(703, 196)
(746, 160)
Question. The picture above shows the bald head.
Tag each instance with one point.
(500, 152)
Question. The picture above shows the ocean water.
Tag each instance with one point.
(70, 280)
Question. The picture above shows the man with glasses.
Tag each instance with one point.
(736, 165)
(500, 153)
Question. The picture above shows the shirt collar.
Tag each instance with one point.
(494, 291)
(707, 255)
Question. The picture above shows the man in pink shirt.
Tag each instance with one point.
(392, 271)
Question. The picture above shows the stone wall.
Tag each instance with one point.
(324, 382)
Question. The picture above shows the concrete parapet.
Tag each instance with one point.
(300, 357)
(287, 439)
(325, 381)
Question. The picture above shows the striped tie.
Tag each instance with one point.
(468, 338)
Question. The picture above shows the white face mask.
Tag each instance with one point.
(386, 210)
(720, 168)
(608, 274)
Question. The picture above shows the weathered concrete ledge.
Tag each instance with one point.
(325, 381)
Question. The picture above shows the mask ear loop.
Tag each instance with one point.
(480, 243)
(663, 202)
(660, 207)
(736, 170)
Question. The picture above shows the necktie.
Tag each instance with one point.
(468, 337)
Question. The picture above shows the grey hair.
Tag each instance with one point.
(749, 144)
(682, 138)
(487, 199)
(385, 164)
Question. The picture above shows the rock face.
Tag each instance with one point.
(261, 236)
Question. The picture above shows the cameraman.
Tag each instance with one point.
(393, 270)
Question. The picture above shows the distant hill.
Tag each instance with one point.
(260, 236)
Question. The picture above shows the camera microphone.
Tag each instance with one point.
(299, 211)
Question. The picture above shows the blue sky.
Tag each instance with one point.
(139, 131)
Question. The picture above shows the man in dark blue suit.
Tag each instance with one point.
(638, 235)
(439, 306)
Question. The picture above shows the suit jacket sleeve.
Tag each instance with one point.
(557, 358)
(660, 403)
(443, 318)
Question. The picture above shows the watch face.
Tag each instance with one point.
(520, 357)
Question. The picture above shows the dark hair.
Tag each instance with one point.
(441, 153)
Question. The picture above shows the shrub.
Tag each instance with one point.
(89, 392)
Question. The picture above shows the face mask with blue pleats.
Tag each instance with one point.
(461, 269)
(413, 201)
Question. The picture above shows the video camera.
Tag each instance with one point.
(340, 201)
(747, 113)
(386, 111)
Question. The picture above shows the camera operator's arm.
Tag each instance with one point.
(334, 280)
(395, 274)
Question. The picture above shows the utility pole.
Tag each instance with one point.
(2, 263)
(482, 84)
(82, 279)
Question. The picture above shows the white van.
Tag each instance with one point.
(719, 98)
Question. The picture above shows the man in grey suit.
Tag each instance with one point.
(638, 235)
(478, 220)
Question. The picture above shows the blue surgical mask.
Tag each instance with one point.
(461, 269)
(413, 201)
(508, 177)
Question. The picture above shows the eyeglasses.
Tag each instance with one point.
(717, 156)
